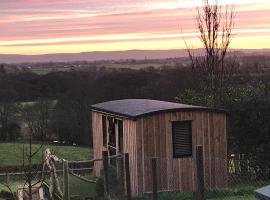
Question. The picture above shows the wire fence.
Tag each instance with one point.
(164, 179)
(76, 180)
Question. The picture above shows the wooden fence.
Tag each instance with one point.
(123, 171)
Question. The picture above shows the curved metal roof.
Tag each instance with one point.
(134, 108)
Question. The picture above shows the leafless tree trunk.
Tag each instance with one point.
(215, 25)
(33, 117)
(32, 175)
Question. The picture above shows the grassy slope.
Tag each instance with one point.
(11, 153)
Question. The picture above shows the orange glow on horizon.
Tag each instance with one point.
(262, 42)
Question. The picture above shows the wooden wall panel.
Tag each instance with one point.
(97, 141)
(151, 136)
(154, 139)
(140, 157)
(130, 146)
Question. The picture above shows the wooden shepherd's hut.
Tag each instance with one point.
(168, 131)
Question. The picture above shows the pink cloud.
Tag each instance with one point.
(39, 19)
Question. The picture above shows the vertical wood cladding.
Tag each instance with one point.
(151, 136)
(97, 131)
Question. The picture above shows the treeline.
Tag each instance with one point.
(59, 102)
(58, 105)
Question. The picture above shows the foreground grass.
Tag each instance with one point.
(11, 153)
(79, 187)
(237, 192)
(191, 197)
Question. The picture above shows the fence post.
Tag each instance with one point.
(66, 181)
(200, 173)
(106, 172)
(154, 177)
(120, 172)
(128, 185)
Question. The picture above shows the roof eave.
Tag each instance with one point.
(134, 117)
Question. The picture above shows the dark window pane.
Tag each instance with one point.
(182, 139)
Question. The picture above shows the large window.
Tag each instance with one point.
(182, 139)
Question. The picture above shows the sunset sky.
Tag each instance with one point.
(59, 26)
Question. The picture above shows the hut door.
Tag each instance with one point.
(112, 136)
(115, 144)
(120, 146)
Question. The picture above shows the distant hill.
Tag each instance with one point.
(113, 55)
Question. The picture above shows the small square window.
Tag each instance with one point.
(182, 139)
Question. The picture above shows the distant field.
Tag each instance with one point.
(132, 66)
(46, 70)
(11, 153)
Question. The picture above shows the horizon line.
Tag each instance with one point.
(104, 51)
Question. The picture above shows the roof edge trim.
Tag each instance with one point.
(206, 109)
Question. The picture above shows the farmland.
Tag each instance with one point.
(11, 153)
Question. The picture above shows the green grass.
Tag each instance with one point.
(12, 185)
(244, 197)
(234, 192)
(77, 187)
(189, 196)
(84, 189)
(11, 153)
(81, 188)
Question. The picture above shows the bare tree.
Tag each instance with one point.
(215, 25)
(36, 117)
(32, 177)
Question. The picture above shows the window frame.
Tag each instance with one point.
(190, 135)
